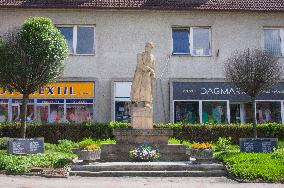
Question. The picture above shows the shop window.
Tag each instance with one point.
(186, 111)
(56, 113)
(267, 112)
(122, 111)
(273, 40)
(80, 39)
(193, 41)
(122, 101)
(42, 113)
(16, 109)
(214, 112)
(3, 112)
(77, 113)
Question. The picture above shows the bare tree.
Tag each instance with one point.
(253, 71)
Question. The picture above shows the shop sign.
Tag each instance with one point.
(50, 101)
(220, 91)
(19, 101)
(79, 101)
(57, 90)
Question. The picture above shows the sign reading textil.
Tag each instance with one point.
(220, 91)
(57, 90)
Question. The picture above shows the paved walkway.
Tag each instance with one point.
(125, 182)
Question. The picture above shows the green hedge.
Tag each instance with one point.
(191, 132)
(211, 132)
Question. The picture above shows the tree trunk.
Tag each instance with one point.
(23, 115)
(254, 118)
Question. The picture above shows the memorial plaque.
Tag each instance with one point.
(258, 145)
(26, 145)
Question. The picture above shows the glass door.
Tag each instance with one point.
(235, 111)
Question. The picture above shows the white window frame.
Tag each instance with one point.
(75, 30)
(281, 38)
(190, 33)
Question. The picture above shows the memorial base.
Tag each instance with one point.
(128, 139)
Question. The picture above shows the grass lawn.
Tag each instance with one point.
(254, 166)
(55, 156)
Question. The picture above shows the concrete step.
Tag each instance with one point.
(148, 166)
(211, 173)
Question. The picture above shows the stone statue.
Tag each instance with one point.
(142, 90)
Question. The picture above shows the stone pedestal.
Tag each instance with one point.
(128, 139)
(142, 118)
(141, 136)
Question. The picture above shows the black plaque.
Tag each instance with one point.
(26, 145)
(258, 145)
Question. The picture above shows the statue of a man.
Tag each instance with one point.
(142, 84)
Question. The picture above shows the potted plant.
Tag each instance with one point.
(88, 151)
(201, 151)
(144, 153)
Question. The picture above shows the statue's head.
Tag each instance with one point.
(149, 46)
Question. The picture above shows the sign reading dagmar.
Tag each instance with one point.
(258, 145)
(26, 145)
(220, 91)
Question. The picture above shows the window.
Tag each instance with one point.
(267, 112)
(122, 101)
(80, 39)
(194, 41)
(187, 112)
(214, 112)
(273, 41)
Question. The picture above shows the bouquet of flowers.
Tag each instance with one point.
(144, 152)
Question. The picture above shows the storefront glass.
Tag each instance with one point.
(42, 113)
(3, 112)
(186, 111)
(56, 113)
(122, 101)
(122, 111)
(267, 112)
(214, 112)
(16, 109)
(76, 113)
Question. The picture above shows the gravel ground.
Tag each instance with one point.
(124, 182)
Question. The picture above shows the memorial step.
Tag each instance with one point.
(146, 166)
(167, 169)
(211, 173)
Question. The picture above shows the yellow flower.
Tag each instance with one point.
(201, 145)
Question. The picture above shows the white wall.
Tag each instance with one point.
(121, 34)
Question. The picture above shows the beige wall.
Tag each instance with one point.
(121, 34)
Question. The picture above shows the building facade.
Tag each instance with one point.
(191, 45)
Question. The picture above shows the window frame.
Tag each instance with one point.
(281, 31)
(74, 42)
(191, 44)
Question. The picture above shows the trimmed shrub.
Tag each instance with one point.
(99, 131)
